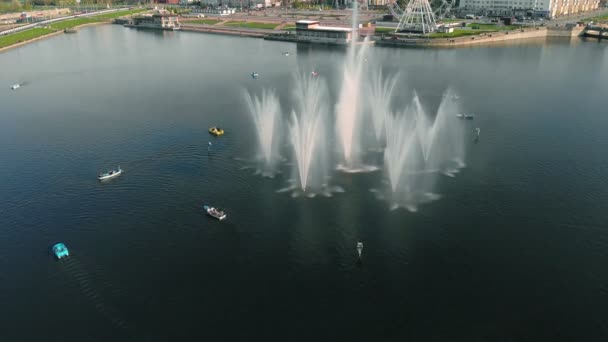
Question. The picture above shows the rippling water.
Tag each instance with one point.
(515, 249)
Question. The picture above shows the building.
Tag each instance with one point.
(538, 8)
(218, 11)
(310, 30)
(161, 20)
(241, 3)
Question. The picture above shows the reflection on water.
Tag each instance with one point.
(511, 231)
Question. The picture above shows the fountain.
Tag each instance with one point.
(307, 131)
(417, 149)
(399, 144)
(348, 107)
(380, 90)
(265, 111)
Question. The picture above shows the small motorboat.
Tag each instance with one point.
(60, 251)
(286, 54)
(466, 116)
(110, 174)
(16, 86)
(455, 97)
(215, 212)
(216, 131)
(254, 75)
(314, 74)
(359, 248)
(477, 131)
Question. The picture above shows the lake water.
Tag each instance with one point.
(515, 250)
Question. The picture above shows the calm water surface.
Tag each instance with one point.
(516, 249)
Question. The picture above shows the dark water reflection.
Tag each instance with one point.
(515, 250)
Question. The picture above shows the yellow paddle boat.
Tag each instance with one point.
(216, 131)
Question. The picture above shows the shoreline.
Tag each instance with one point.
(50, 35)
(477, 40)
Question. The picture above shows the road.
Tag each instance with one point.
(50, 21)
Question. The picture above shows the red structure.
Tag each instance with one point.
(171, 2)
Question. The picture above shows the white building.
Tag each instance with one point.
(239, 3)
(548, 8)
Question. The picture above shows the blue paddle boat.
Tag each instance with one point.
(61, 251)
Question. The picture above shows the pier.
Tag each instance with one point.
(597, 31)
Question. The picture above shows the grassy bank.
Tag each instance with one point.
(62, 25)
(59, 26)
(458, 33)
(201, 21)
(268, 26)
(474, 29)
(385, 30)
(492, 27)
(601, 18)
(24, 36)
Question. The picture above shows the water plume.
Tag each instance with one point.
(380, 90)
(306, 130)
(265, 111)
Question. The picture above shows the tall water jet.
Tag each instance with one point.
(441, 138)
(307, 130)
(265, 111)
(418, 148)
(399, 143)
(348, 106)
(380, 90)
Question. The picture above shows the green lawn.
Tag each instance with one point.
(458, 33)
(61, 25)
(251, 25)
(289, 28)
(23, 36)
(492, 27)
(385, 29)
(599, 18)
(201, 21)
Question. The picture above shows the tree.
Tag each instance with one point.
(15, 5)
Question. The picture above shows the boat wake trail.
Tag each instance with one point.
(76, 271)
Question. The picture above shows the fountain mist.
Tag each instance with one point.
(306, 128)
(399, 143)
(418, 147)
(380, 90)
(265, 111)
(348, 106)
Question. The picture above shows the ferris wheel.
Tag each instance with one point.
(418, 15)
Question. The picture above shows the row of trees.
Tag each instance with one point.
(14, 6)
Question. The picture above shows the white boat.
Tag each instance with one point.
(466, 116)
(215, 212)
(110, 174)
(477, 131)
(314, 74)
(359, 248)
(286, 54)
(254, 75)
(16, 86)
